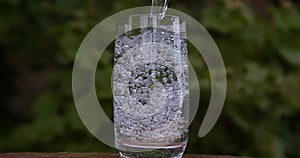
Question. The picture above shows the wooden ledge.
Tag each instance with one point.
(89, 155)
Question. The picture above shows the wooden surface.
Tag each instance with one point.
(88, 155)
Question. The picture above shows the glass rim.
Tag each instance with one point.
(169, 22)
(148, 15)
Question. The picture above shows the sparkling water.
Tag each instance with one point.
(150, 88)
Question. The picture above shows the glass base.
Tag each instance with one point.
(170, 151)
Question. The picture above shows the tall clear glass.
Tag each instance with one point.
(150, 86)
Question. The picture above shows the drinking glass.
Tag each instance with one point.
(150, 86)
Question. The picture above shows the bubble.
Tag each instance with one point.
(165, 80)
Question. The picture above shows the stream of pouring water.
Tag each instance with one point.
(159, 7)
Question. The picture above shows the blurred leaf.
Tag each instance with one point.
(221, 20)
(286, 18)
(255, 73)
(290, 89)
(103, 83)
(291, 55)
(70, 42)
(46, 106)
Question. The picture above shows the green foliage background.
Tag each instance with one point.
(39, 40)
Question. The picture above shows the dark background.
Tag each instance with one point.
(259, 41)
